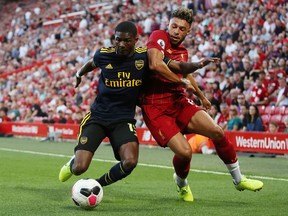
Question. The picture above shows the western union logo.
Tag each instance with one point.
(109, 66)
(139, 64)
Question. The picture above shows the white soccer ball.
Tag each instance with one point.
(87, 193)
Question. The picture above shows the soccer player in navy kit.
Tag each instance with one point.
(112, 114)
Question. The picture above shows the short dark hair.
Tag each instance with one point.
(128, 27)
(184, 14)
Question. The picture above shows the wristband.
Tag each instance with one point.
(185, 81)
(78, 74)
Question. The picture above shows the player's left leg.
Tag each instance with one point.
(201, 123)
(127, 153)
(129, 158)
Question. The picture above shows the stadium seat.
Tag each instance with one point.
(276, 118)
(269, 110)
(261, 110)
(286, 111)
(265, 119)
(279, 110)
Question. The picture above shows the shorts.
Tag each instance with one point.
(166, 120)
(92, 131)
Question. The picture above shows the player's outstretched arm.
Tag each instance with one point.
(186, 68)
(156, 64)
(87, 67)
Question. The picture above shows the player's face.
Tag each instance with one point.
(178, 30)
(125, 43)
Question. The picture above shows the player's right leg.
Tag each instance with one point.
(90, 136)
(181, 162)
(170, 136)
(77, 165)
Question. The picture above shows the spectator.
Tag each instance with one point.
(60, 119)
(224, 115)
(286, 124)
(3, 115)
(209, 95)
(241, 101)
(259, 94)
(234, 123)
(282, 96)
(27, 116)
(215, 114)
(247, 92)
(238, 82)
(273, 127)
(253, 121)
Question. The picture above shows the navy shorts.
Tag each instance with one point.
(92, 131)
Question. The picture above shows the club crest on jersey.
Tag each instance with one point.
(161, 43)
(169, 51)
(139, 64)
(83, 140)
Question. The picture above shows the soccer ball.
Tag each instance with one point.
(87, 193)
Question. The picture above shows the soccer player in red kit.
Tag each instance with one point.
(169, 114)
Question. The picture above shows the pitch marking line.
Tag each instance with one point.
(139, 164)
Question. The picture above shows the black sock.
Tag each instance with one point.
(115, 174)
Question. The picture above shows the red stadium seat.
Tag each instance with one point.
(279, 110)
(265, 118)
(276, 118)
(261, 110)
(269, 110)
(286, 111)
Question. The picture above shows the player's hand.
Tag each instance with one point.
(78, 81)
(206, 103)
(207, 61)
(190, 88)
(185, 83)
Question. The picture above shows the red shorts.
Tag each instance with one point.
(166, 120)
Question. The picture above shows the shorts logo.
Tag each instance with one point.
(139, 64)
(83, 140)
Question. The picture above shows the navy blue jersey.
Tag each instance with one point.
(119, 84)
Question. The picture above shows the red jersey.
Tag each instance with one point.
(158, 90)
(259, 94)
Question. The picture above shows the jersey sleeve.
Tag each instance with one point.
(158, 39)
(96, 58)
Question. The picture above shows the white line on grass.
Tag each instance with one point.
(139, 164)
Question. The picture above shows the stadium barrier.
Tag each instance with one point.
(260, 142)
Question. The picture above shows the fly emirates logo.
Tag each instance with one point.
(265, 143)
(123, 80)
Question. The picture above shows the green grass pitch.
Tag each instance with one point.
(29, 183)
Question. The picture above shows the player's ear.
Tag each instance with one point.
(136, 38)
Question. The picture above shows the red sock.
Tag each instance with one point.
(181, 167)
(225, 150)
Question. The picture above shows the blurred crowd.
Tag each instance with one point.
(248, 90)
